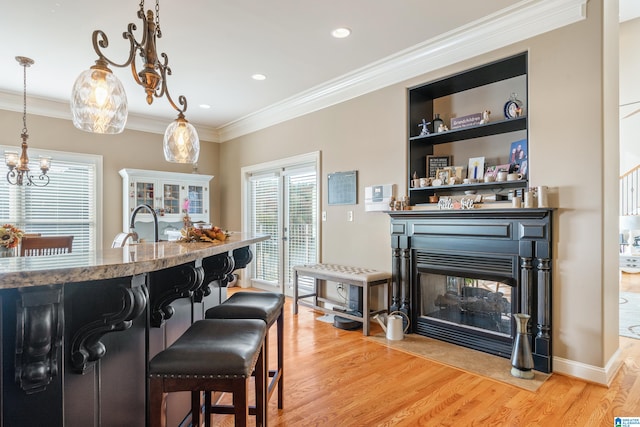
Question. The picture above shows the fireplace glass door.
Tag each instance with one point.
(483, 306)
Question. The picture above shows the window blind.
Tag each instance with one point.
(265, 219)
(67, 206)
(302, 233)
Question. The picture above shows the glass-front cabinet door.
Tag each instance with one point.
(196, 199)
(171, 199)
(144, 193)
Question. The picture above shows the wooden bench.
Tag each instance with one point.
(362, 277)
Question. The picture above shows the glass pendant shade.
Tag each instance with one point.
(99, 102)
(181, 142)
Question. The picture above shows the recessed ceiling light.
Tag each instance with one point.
(258, 77)
(204, 106)
(341, 33)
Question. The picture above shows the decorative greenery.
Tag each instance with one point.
(10, 236)
(193, 234)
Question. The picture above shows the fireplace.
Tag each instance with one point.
(461, 275)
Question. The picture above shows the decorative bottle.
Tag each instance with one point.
(437, 123)
(521, 356)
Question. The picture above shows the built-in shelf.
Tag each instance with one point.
(494, 186)
(477, 131)
(489, 79)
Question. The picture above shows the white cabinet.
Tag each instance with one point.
(170, 194)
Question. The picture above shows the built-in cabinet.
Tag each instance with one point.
(170, 194)
(488, 87)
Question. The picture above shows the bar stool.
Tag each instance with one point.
(266, 306)
(212, 355)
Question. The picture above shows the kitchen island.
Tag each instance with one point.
(78, 329)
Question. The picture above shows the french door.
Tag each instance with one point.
(282, 201)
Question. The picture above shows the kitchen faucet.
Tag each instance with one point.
(132, 231)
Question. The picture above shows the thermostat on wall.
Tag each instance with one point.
(378, 197)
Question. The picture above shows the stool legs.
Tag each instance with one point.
(241, 408)
(158, 387)
(157, 414)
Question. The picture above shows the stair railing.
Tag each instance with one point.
(629, 185)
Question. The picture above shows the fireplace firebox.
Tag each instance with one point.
(461, 275)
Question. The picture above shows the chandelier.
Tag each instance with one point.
(98, 100)
(18, 164)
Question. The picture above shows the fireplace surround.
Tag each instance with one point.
(461, 274)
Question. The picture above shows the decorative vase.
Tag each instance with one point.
(8, 252)
(521, 357)
(437, 122)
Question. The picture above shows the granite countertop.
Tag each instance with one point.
(17, 272)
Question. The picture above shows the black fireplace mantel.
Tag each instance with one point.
(509, 245)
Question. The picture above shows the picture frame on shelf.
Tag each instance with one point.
(518, 157)
(443, 175)
(437, 162)
(493, 170)
(476, 168)
(518, 151)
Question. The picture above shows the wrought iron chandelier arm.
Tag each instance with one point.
(101, 41)
(165, 71)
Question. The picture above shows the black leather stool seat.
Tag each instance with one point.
(212, 355)
(249, 305)
(266, 306)
(212, 349)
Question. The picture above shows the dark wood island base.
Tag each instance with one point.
(78, 330)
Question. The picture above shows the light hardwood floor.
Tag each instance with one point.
(630, 282)
(337, 378)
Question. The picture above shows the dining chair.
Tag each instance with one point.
(45, 245)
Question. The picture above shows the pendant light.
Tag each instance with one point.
(99, 102)
(18, 164)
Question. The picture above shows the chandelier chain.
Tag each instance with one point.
(158, 31)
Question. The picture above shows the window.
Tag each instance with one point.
(69, 205)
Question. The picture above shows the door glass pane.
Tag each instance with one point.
(301, 221)
(265, 220)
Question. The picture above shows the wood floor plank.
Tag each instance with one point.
(338, 378)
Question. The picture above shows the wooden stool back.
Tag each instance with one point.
(45, 245)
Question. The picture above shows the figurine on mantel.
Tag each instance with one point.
(425, 129)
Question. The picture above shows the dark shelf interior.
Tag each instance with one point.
(469, 132)
(483, 75)
(475, 186)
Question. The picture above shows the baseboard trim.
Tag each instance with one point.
(595, 374)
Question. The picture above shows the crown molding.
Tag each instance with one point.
(523, 20)
(518, 22)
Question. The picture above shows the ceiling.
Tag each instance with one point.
(215, 46)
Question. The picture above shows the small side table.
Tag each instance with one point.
(362, 277)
